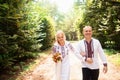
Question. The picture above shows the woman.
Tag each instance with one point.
(62, 48)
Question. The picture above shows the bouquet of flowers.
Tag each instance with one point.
(57, 57)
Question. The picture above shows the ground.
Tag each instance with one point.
(45, 71)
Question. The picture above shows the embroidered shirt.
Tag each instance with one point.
(64, 50)
(98, 51)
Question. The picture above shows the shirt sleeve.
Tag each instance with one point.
(102, 54)
(71, 47)
(77, 52)
(53, 49)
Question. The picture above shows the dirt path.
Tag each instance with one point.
(45, 71)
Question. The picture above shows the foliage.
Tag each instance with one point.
(103, 16)
(17, 30)
(46, 31)
(79, 12)
(114, 56)
(63, 21)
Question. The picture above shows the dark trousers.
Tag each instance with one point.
(90, 74)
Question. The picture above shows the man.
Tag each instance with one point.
(90, 48)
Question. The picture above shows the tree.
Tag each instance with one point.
(18, 23)
(103, 16)
(46, 31)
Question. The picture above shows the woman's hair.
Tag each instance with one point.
(60, 32)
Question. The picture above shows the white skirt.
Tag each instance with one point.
(63, 69)
(58, 70)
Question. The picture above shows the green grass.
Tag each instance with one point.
(110, 51)
(113, 56)
(40, 57)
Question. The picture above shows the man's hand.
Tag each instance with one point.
(105, 69)
(89, 60)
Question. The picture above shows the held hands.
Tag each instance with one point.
(89, 60)
(83, 53)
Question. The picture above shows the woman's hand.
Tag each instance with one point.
(83, 54)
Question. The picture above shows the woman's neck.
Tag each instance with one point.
(62, 43)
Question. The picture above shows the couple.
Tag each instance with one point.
(87, 50)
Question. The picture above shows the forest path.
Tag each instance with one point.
(46, 69)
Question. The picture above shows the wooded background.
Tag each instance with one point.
(29, 26)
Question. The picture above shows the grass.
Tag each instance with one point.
(114, 56)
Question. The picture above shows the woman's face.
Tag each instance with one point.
(60, 38)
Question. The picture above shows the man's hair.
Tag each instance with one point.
(87, 27)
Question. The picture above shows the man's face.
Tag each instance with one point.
(87, 32)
